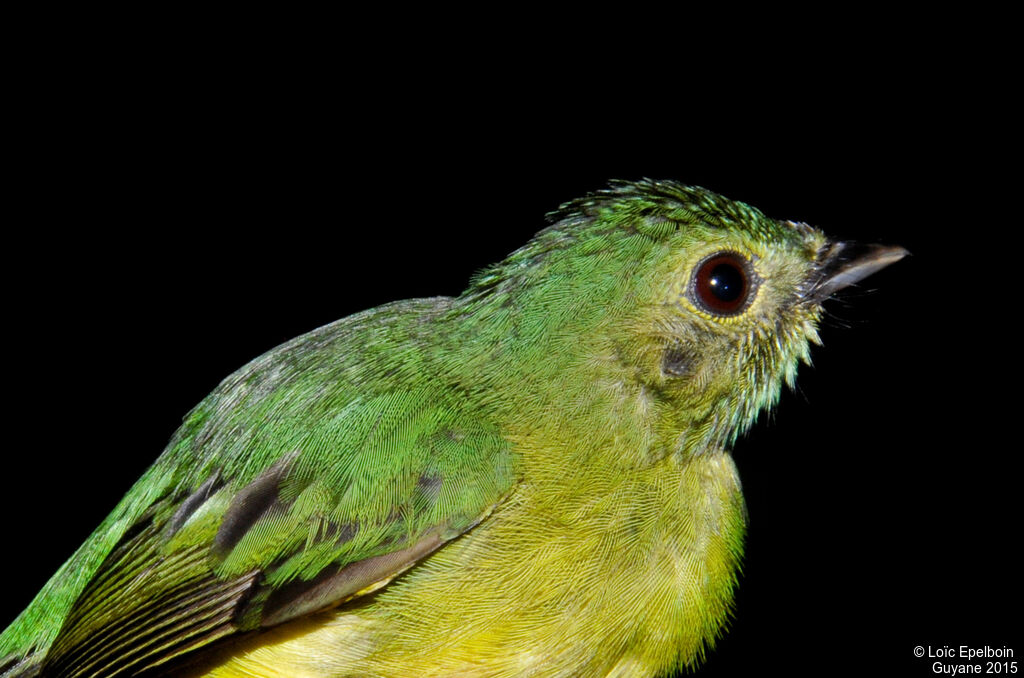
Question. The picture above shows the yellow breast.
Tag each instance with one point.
(630, 575)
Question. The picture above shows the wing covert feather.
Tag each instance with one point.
(306, 479)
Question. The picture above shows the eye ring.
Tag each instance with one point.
(724, 284)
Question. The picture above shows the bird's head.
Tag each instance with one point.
(698, 307)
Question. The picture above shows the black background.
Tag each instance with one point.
(172, 221)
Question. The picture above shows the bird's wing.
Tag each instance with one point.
(353, 495)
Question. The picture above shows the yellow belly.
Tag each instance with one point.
(626, 577)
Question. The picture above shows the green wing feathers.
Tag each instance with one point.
(316, 473)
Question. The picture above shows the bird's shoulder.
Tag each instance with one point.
(314, 474)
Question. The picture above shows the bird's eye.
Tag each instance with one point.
(724, 284)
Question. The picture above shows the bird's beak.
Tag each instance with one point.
(842, 264)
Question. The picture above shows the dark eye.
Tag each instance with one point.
(724, 284)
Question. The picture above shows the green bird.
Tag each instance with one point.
(530, 479)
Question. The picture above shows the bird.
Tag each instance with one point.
(533, 478)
